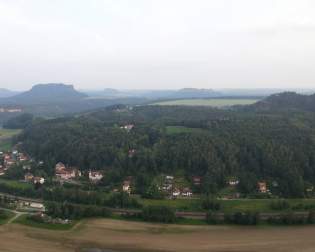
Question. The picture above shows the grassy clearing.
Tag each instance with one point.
(5, 138)
(182, 129)
(178, 204)
(208, 102)
(227, 206)
(8, 216)
(15, 184)
(23, 220)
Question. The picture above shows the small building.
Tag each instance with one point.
(131, 153)
(38, 180)
(186, 192)
(262, 187)
(95, 176)
(233, 182)
(127, 127)
(126, 186)
(196, 180)
(28, 177)
(62, 172)
(176, 192)
(22, 157)
(60, 167)
(37, 206)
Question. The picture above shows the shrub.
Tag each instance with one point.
(311, 217)
(288, 219)
(211, 218)
(210, 203)
(279, 205)
(122, 200)
(241, 218)
(159, 214)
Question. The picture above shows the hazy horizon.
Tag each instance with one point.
(158, 44)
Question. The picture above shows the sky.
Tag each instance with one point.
(158, 44)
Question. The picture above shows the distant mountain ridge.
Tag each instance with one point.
(286, 101)
(157, 94)
(7, 93)
(45, 94)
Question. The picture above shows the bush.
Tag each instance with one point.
(122, 200)
(211, 218)
(241, 218)
(74, 211)
(159, 214)
(210, 203)
(288, 219)
(3, 214)
(311, 217)
(280, 205)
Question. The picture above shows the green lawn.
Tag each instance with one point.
(178, 204)
(227, 206)
(208, 102)
(5, 138)
(27, 222)
(8, 216)
(15, 184)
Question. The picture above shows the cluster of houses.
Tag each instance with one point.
(127, 127)
(29, 177)
(11, 158)
(65, 173)
(261, 185)
(168, 186)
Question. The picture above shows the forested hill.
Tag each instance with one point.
(46, 94)
(214, 144)
(285, 101)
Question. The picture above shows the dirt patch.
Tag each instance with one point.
(105, 235)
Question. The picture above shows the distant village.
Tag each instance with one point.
(167, 184)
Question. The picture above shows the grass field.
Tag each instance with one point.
(208, 102)
(5, 138)
(228, 206)
(15, 184)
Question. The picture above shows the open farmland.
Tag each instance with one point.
(105, 235)
(208, 102)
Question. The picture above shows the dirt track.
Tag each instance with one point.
(132, 236)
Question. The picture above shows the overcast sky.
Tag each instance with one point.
(158, 43)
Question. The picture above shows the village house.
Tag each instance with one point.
(176, 192)
(196, 180)
(59, 167)
(127, 127)
(186, 192)
(9, 162)
(131, 153)
(262, 187)
(233, 182)
(126, 186)
(66, 173)
(22, 157)
(38, 180)
(28, 177)
(95, 176)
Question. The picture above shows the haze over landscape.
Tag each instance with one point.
(149, 44)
